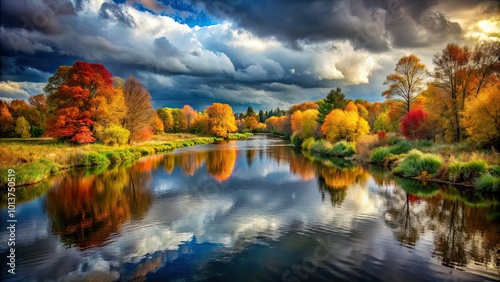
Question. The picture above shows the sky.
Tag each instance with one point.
(259, 53)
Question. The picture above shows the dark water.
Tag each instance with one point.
(252, 210)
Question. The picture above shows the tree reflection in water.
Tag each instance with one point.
(86, 210)
(463, 233)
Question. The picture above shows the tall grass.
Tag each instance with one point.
(488, 182)
(416, 163)
(466, 171)
(323, 147)
(379, 155)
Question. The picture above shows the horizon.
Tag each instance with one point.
(243, 53)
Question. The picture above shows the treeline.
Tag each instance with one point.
(83, 103)
(458, 101)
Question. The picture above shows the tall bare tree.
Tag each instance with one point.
(407, 81)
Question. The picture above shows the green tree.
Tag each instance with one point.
(250, 112)
(23, 127)
(334, 100)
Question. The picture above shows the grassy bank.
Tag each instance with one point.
(323, 147)
(35, 162)
(458, 164)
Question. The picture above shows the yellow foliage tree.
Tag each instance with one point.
(344, 125)
(482, 117)
(304, 123)
(221, 119)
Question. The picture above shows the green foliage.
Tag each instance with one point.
(488, 183)
(334, 100)
(296, 140)
(379, 155)
(466, 171)
(93, 158)
(306, 145)
(416, 163)
(401, 147)
(114, 135)
(238, 136)
(342, 148)
(320, 146)
(36, 131)
(31, 172)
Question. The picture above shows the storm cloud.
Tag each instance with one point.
(260, 53)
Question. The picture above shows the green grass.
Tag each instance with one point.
(488, 183)
(238, 136)
(31, 166)
(416, 163)
(323, 147)
(379, 155)
(466, 171)
(30, 173)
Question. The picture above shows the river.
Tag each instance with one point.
(250, 210)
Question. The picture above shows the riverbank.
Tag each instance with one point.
(33, 163)
(459, 165)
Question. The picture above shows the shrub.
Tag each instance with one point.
(401, 147)
(321, 146)
(114, 135)
(341, 149)
(365, 145)
(295, 139)
(416, 163)
(306, 145)
(465, 171)
(379, 155)
(488, 182)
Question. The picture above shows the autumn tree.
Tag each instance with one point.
(6, 120)
(76, 94)
(221, 119)
(303, 107)
(411, 124)
(165, 114)
(482, 117)
(304, 124)
(139, 111)
(188, 116)
(344, 125)
(22, 127)
(407, 81)
(334, 100)
(251, 123)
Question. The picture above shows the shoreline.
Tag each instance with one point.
(39, 169)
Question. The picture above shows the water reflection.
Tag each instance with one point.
(155, 220)
(87, 209)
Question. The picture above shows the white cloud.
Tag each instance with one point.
(20, 90)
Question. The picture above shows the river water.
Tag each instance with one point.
(250, 210)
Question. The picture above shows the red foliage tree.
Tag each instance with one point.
(71, 93)
(411, 124)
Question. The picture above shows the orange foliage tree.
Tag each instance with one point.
(221, 119)
(188, 116)
(140, 115)
(75, 94)
(304, 124)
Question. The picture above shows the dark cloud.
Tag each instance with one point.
(112, 11)
(42, 16)
(372, 25)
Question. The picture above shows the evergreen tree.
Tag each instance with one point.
(334, 100)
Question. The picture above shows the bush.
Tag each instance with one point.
(366, 144)
(306, 145)
(488, 182)
(401, 147)
(379, 155)
(466, 171)
(341, 149)
(416, 163)
(114, 135)
(296, 140)
(321, 146)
